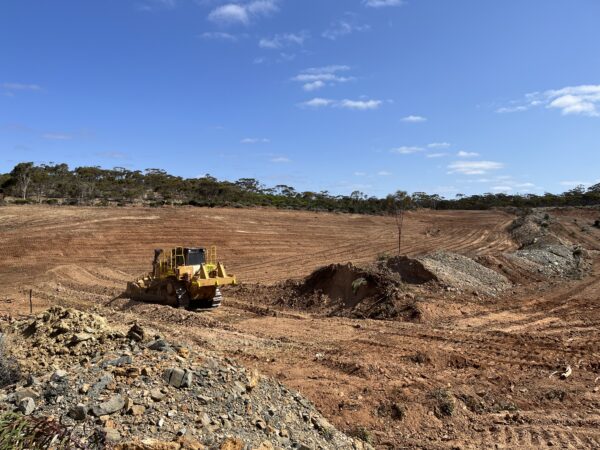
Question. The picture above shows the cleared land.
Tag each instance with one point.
(473, 373)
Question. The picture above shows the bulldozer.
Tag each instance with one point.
(183, 277)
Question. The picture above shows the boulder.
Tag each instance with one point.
(111, 406)
(178, 378)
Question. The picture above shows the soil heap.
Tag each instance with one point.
(542, 251)
(346, 290)
(135, 391)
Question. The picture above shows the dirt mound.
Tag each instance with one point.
(542, 251)
(451, 270)
(349, 291)
(535, 228)
(130, 388)
(347, 284)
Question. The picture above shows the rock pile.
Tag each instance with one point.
(139, 393)
(544, 252)
(451, 270)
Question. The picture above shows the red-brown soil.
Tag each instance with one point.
(473, 372)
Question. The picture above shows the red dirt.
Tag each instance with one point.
(493, 357)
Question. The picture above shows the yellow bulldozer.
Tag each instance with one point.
(183, 277)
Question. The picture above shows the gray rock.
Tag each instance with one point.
(58, 375)
(302, 446)
(157, 395)
(78, 412)
(98, 387)
(111, 435)
(32, 381)
(204, 400)
(80, 337)
(320, 423)
(26, 406)
(205, 420)
(24, 393)
(178, 378)
(112, 405)
(159, 345)
(119, 362)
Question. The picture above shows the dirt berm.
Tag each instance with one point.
(349, 291)
(383, 291)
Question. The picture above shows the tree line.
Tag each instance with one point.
(93, 185)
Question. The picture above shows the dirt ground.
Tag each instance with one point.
(474, 373)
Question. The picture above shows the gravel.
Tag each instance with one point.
(155, 399)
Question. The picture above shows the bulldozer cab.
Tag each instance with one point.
(180, 256)
(194, 256)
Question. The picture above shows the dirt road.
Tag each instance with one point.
(475, 374)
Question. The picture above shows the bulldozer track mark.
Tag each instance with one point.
(499, 351)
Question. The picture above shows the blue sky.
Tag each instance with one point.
(462, 96)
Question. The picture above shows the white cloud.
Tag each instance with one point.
(255, 141)
(360, 174)
(230, 13)
(317, 102)
(57, 136)
(309, 77)
(357, 105)
(406, 150)
(414, 119)
(501, 188)
(463, 154)
(328, 69)
(436, 155)
(439, 145)
(474, 167)
(315, 85)
(281, 159)
(283, 40)
(219, 36)
(20, 87)
(242, 13)
(360, 104)
(316, 78)
(575, 183)
(583, 100)
(382, 3)
(344, 27)
(506, 181)
(384, 173)
(512, 109)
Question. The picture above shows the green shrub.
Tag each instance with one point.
(445, 403)
(363, 434)
(356, 284)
